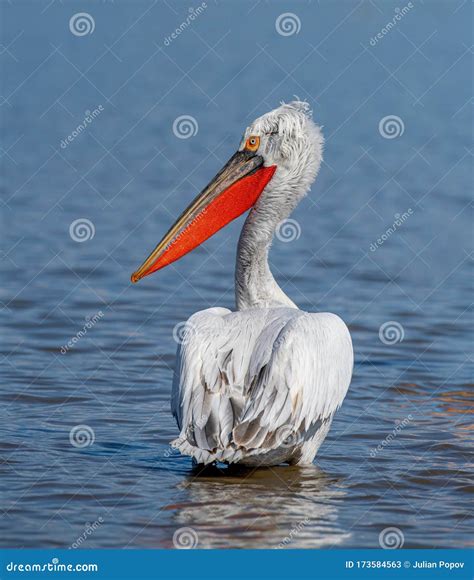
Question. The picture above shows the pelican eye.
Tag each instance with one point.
(252, 143)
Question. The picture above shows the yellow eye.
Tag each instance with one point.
(252, 143)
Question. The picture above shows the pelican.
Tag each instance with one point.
(258, 386)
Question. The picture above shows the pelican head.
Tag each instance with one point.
(291, 141)
(277, 161)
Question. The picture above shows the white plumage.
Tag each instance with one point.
(260, 386)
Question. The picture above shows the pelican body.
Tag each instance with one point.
(258, 386)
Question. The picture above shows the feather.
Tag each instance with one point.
(297, 369)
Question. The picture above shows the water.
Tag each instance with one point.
(398, 452)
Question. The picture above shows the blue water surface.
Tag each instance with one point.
(384, 240)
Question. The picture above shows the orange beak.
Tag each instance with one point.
(233, 191)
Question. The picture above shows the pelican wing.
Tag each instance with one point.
(242, 377)
(301, 386)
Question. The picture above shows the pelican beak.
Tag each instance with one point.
(233, 191)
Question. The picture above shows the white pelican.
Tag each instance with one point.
(258, 386)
